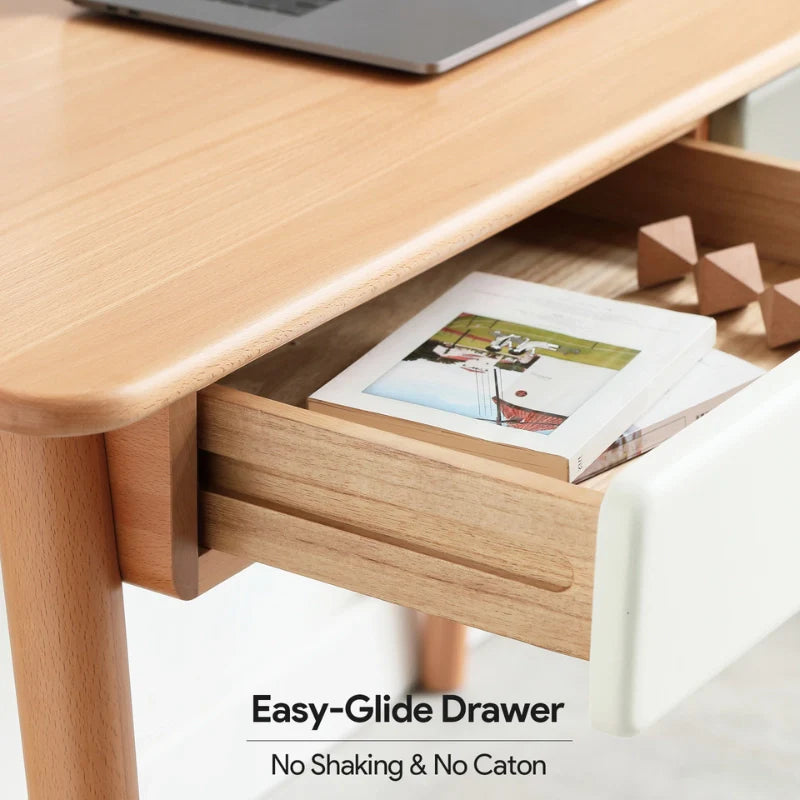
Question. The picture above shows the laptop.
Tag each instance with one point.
(423, 36)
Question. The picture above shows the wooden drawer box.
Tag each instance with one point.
(663, 570)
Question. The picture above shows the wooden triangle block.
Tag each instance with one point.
(666, 251)
(780, 306)
(728, 279)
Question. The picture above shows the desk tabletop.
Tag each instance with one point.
(173, 205)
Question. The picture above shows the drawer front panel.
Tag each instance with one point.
(698, 552)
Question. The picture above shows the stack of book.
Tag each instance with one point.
(559, 382)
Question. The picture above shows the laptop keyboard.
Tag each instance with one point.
(294, 7)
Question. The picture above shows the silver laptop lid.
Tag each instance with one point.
(424, 36)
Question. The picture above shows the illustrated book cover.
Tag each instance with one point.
(527, 374)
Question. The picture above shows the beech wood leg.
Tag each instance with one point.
(64, 600)
(444, 654)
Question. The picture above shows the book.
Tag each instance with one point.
(715, 378)
(530, 375)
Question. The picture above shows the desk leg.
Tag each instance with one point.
(444, 654)
(64, 599)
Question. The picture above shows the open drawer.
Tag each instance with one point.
(663, 571)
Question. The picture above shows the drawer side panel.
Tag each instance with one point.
(516, 533)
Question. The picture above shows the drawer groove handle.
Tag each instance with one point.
(559, 576)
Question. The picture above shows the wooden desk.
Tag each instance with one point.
(174, 206)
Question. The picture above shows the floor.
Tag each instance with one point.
(738, 738)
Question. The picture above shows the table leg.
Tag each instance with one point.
(65, 615)
(444, 654)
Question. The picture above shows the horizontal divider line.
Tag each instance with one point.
(409, 741)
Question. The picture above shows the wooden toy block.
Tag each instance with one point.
(780, 306)
(666, 251)
(728, 279)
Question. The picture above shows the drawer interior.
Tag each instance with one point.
(410, 522)
(555, 247)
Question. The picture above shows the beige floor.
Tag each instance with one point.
(736, 739)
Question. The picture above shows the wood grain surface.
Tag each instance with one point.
(174, 205)
(732, 196)
(64, 599)
(152, 468)
(386, 568)
(385, 501)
